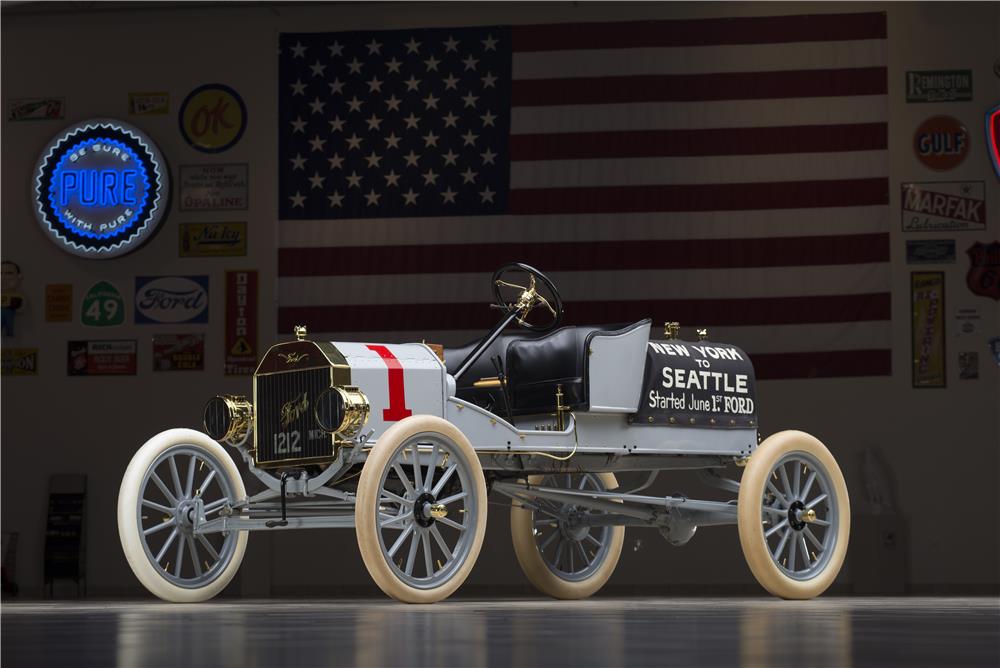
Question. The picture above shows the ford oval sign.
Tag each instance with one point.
(171, 300)
(100, 189)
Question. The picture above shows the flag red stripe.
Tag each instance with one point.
(699, 87)
(699, 32)
(705, 312)
(826, 364)
(587, 255)
(710, 141)
(702, 197)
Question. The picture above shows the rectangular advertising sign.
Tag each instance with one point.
(213, 187)
(101, 358)
(927, 328)
(59, 302)
(241, 322)
(179, 352)
(930, 251)
(149, 104)
(947, 205)
(19, 362)
(939, 86)
(213, 239)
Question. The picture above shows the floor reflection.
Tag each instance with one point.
(599, 632)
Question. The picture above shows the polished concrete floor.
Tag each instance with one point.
(910, 632)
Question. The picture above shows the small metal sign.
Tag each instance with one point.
(930, 251)
(19, 362)
(102, 306)
(941, 142)
(179, 352)
(59, 302)
(241, 323)
(927, 328)
(101, 358)
(943, 205)
(214, 187)
(939, 86)
(213, 239)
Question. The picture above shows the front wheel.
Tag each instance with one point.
(421, 510)
(174, 476)
(794, 515)
(559, 552)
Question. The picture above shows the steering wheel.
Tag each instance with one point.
(526, 298)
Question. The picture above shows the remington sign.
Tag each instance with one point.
(939, 86)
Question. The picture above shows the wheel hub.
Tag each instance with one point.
(423, 517)
(795, 513)
(571, 527)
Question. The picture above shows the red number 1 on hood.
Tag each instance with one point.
(397, 409)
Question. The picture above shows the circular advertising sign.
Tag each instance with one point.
(941, 142)
(100, 189)
(212, 118)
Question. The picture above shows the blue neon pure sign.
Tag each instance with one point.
(100, 189)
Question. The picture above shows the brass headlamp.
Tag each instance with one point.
(229, 418)
(342, 410)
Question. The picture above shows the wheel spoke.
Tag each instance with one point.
(792, 548)
(418, 476)
(178, 490)
(774, 511)
(395, 519)
(559, 551)
(425, 540)
(159, 527)
(809, 483)
(776, 528)
(593, 540)
(166, 545)
(572, 566)
(779, 495)
(797, 479)
(402, 477)
(450, 523)
(207, 481)
(548, 541)
(439, 539)
(180, 558)
(583, 482)
(429, 482)
(818, 499)
(163, 488)
(392, 497)
(805, 551)
(399, 541)
(819, 522)
(208, 546)
(444, 479)
(215, 505)
(190, 480)
(583, 552)
(453, 498)
(784, 481)
(193, 549)
(156, 506)
(781, 545)
(812, 538)
(412, 556)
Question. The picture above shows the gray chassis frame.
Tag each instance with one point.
(511, 451)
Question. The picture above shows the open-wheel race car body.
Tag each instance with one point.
(404, 442)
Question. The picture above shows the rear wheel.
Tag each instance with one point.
(421, 510)
(794, 515)
(561, 555)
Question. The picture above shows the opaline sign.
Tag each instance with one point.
(100, 189)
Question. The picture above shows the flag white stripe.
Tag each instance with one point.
(699, 169)
(700, 59)
(847, 110)
(754, 340)
(581, 286)
(586, 227)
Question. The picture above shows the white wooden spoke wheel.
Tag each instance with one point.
(558, 551)
(794, 515)
(421, 510)
(175, 476)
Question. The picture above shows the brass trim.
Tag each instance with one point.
(438, 510)
(672, 329)
(241, 418)
(492, 381)
(357, 409)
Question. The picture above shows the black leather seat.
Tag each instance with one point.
(535, 365)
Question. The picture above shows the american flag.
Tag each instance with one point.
(724, 173)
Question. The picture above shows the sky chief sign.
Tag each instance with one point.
(100, 189)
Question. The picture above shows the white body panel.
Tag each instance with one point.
(423, 380)
(616, 367)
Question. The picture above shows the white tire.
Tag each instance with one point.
(547, 572)
(393, 524)
(143, 507)
(793, 553)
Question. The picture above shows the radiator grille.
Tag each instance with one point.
(287, 431)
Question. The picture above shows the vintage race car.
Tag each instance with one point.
(404, 443)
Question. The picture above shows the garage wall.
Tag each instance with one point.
(939, 447)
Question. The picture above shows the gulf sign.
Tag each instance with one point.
(941, 142)
(100, 189)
